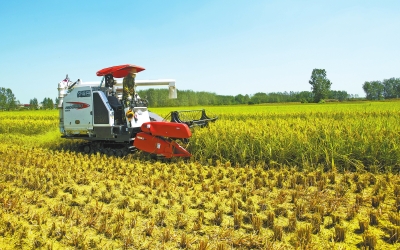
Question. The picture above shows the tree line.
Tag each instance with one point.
(47, 103)
(320, 92)
(379, 90)
(159, 98)
(8, 101)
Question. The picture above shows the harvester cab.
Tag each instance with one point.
(114, 120)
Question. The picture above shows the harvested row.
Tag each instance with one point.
(63, 199)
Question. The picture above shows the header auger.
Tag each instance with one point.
(112, 117)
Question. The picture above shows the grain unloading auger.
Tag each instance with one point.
(114, 120)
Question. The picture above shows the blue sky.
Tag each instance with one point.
(227, 47)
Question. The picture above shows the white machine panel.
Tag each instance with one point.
(77, 109)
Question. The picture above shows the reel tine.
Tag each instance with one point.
(191, 117)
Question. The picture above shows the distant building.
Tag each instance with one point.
(28, 106)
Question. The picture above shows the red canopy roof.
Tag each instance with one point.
(120, 71)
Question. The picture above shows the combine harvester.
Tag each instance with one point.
(116, 121)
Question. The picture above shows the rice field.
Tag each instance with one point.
(306, 176)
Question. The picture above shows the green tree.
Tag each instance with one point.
(47, 103)
(374, 90)
(304, 96)
(391, 88)
(33, 104)
(151, 97)
(339, 95)
(320, 84)
(259, 97)
(7, 99)
(242, 99)
(205, 98)
(192, 96)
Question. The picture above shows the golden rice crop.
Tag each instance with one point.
(276, 177)
(58, 199)
(346, 138)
